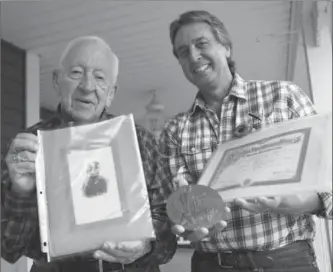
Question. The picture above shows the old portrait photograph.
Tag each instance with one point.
(94, 185)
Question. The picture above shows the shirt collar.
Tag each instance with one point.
(237, 89)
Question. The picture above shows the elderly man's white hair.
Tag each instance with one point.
(88, 39)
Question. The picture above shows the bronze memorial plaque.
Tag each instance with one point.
(196, 206)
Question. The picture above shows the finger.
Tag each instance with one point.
(115, 250)
(198, 234)
(28, 136)
(101, 255)
(227, 209)
(23, 167)
(271, 203)
(220, 226)
(19, 144)
(217, 228)
(109, 246)
(252, 200)
(131, 246)
(26, 156)
(180, 180)
(177, 229)
(244, 202)
(252, 207)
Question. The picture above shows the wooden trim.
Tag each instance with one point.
(319, 10)
(307, 62)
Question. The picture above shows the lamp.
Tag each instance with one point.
(154, 117)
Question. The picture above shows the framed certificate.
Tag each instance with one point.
(91, 187)
(273, 160)
(286, 158)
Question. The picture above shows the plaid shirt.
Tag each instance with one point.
(19, 223)
(190, 138)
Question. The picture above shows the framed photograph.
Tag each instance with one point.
(287, 158)
(91, 187)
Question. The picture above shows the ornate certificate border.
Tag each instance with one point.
(233, 155)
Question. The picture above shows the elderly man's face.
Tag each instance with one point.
(86, 82)
(202, 58)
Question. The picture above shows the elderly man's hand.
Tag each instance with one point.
(123, 252)
(306, 203)
(21, 162)
(198, 234)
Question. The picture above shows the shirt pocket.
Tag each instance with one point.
(271, 118)
(196, 157)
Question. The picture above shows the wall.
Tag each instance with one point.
(12, 109)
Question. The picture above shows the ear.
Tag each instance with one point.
(227, 52)
(55, 78)
(110, 95)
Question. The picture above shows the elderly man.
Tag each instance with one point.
(267, 234)
(86, 82)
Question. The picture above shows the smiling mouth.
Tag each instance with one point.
(201, 69)
(86, 102)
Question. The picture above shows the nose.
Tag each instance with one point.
(87, 84)
(194, 54)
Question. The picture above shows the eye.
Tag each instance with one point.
(76, 73)
(202, 44)
(99, 76)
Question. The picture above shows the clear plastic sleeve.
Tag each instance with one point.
(91, 187)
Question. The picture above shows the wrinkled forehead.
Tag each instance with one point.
(92, 55)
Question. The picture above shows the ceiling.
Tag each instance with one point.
(138, 33)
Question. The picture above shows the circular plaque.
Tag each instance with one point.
(196, 206)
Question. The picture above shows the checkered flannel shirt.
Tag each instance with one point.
(189, 139)
(19, 222)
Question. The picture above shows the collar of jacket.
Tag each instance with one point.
(62, 123)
